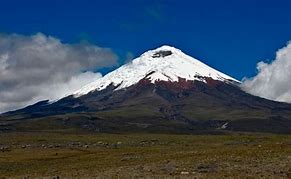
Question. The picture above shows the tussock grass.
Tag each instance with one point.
(83, 155)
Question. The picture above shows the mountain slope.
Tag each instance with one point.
(164, 90)
(162, 64)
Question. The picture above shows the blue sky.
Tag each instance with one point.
(232, 36)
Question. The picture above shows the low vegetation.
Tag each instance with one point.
(77, 154)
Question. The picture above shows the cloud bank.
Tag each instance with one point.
(38, 67)
(273, 80)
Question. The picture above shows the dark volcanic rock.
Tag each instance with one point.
(173, 107)
(162, 53)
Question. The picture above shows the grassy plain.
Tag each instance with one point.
(70, 154)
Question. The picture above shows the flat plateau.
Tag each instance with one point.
(71, 154)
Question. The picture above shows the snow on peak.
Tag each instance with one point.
(162, 64)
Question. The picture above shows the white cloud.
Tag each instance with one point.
(39, 67)
(273, 80)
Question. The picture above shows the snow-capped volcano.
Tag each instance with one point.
(162, 64)
(163, 90)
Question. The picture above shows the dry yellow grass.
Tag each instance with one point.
(144, 155)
